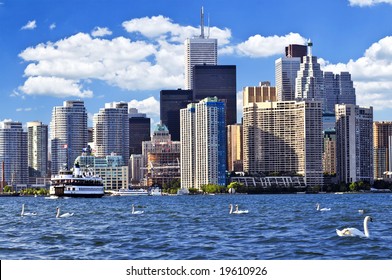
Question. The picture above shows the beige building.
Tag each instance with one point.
(329, 153)
(283, 137)
(382, 140)
(234, 148)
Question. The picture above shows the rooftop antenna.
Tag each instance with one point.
(202, 22)
(208, 18)
(310, 45)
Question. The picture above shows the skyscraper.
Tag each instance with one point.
(354, 143)
(68, 130)
(338, 89)
(203, 144)
(219, 81)
(171, 102)
(38, 149)
(382, 139)
(310, 79)
(13, 152)
(199, 51)
(111, 131)
(234, 147)
(283, 137)
(286, 69)
(139, 131)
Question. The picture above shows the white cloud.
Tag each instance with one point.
(101, 31)
(149, 106)
(29, 25)
(54, 86)
(155, 61)
(24, 109)
(260, 46)
(363, 3)
(371, 73)
(52, 26)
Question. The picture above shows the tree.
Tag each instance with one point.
(7, 189)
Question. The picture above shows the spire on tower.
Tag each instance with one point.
(202, 22)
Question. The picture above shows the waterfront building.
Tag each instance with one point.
(203, 144)
(111, 130)
(354, 143)
(171, 102)
(200, 50)
(234, 148)
(219, 81)
(68, 134)
(162, 157)
(382, 139)
(329, 152)
(110, 168)
(136, 169)
(13, 154)
(139, 130)
(37, 135)
(283, 137)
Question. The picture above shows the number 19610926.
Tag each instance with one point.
(247, 270)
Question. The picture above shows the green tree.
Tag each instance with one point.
(7, 189)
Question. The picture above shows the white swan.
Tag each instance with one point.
(136, 212)
(321, 209)
(236, 211)
(23, 213)
(354, 231)
(361, 211)
(65, 215)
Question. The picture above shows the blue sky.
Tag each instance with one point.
(102, 51)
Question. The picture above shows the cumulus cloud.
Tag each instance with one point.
(52, 26)
(149, 106)
(260, 46)
(54, 86)
(371, 73)
(29, 25)
(154, 61)
(363, 3)
(101, 31)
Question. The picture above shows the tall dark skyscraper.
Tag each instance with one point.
(171, 102)
(296, 51)
(139, 130)
(219, 81)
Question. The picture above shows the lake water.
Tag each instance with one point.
(278, 227)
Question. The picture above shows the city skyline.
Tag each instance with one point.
(122, 51)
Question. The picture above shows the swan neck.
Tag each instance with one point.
(365, 227)
(231, 209)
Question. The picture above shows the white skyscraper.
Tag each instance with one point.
(111, 130)
(38, 149)
(286, 69)
(13, 152)
(203, 144)
(198, 51)
(69, 134)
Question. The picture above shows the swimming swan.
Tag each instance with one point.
(236, 211)
(136, 212)
(322, 209)
(354, 231)
(23, 213)
(65, 215)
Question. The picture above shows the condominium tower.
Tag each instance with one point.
(382, 139)
(13, 154)
(111, 130)
(354, 143)
(283, 137)
(203, 144)
(69, 134)
(38, 149)
(139, 130)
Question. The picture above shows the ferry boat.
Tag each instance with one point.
(128, 192)
(76, 184)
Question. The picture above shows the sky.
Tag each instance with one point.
(102, 51)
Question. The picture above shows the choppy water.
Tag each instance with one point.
(196, 227)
